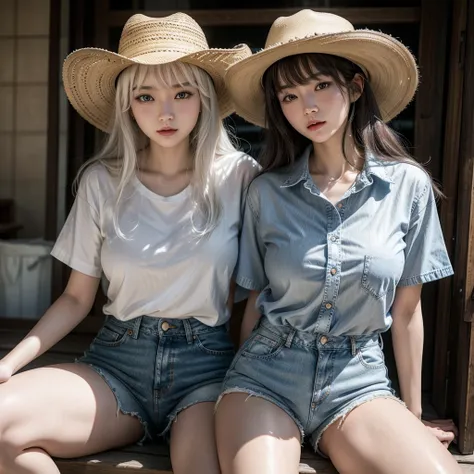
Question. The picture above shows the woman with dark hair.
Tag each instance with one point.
(340, 233)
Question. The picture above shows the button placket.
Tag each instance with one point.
(333, 269)
(323, 322)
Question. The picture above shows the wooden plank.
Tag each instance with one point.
(73, 344)
(450, 164)
(148, 463)
(153, 459)
(464, 258)
(429, 128)
(266, 16)
(52, 160)
(88, 326)
(101, 32)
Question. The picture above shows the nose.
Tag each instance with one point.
(310, 109)
(309, 103)
(166, 113)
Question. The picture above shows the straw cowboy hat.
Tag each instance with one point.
(89, 74)
(389, 65)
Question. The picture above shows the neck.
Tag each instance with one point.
(167, 161)
(330, 159)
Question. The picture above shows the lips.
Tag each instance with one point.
(167, 131)
(315, 125)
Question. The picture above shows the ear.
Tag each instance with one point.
(357, 88)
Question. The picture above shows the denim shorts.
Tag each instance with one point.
(315, 379)
(159, 367)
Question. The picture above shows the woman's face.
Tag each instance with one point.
(166, 115)
(317, 109)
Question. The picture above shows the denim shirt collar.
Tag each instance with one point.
(299, 171)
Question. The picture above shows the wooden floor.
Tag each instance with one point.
(149, 459)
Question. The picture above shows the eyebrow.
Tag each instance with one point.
(174, 86)
(316, 77)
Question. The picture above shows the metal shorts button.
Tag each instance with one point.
(328, 305)
(165, 326)
(323, 340)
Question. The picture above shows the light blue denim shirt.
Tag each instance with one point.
(334, 269)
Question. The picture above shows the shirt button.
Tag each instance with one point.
(165, 326)
(328, 305)
(130, 332)
(333, 238)
(313, 405)
(339, 205)
(333, 271)
(323, 340)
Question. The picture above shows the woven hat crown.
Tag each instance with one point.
(303, 24)
(177, 33)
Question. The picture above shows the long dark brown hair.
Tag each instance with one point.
(283, 144)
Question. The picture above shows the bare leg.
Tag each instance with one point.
(64, 411)
(255, 436)
(383, 437)
(193, 441)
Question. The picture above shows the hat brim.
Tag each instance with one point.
(391, 69)
(89, 77)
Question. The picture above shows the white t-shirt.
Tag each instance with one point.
(160, 268)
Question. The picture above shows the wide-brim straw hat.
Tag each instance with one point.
(390, 67)
(90, 74)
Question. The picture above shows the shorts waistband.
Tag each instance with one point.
(323, 341)
(164, 327)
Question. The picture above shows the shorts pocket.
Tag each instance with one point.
(371, 357)
(111, 335)
(263, 344)
(216, 343)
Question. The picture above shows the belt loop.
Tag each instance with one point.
(188, 330)
(290, 337)
(353, 346)
(136, 323)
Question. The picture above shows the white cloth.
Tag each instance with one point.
(160, 268)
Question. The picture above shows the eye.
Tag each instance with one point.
(145, 98)
(183, 95)
(289, 98)
(322, 85)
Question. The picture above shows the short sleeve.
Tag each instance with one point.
(80, 240)
(250, 268)
(426, 258)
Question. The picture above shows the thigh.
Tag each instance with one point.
(254, 436)
(68, 410)
(383, 437)
(193, 441)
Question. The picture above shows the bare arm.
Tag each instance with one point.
(58, 321)
(251, 316)
(407, 335)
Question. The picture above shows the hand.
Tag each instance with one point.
(5, 372)
(444, 430)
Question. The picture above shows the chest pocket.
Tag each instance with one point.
(381, 274)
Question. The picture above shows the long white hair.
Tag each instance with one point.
(209, 139)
